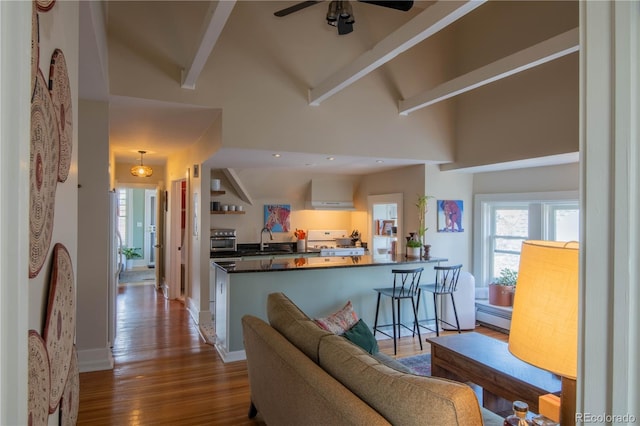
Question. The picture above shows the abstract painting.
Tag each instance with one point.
(276, 217)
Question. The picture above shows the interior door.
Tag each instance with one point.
(150, 220)
(158, 248)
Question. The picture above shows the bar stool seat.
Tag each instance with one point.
(446, 283)
(405, 287)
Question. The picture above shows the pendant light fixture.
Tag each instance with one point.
(141, 170)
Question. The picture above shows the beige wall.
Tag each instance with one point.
(528, 115)
(94, 352)
(536, 179)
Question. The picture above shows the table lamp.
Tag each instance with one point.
(544, 323)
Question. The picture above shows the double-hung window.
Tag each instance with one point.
(503, 221)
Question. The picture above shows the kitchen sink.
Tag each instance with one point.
(268, 250)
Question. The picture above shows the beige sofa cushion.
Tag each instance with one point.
(293, 324)
(403, 399)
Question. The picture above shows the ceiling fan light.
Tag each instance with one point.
(141, 170)
(332, 13)
(346, 11)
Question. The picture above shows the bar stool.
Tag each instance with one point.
(446, 283)
(405, 286)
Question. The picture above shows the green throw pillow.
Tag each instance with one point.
(362, 336)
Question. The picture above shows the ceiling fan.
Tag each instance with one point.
(340, 13)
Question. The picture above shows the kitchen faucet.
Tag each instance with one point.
(262, 244)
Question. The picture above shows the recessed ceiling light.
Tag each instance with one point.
(331, 158)
(276, 155)
(379, 161)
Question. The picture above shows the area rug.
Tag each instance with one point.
(421, 364)
(208, 333)
(136, 276)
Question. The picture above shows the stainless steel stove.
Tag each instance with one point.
(324, 241)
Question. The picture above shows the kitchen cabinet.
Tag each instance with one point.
(221, 303)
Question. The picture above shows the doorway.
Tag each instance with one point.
(178, 253)
(137, 225)
(385, 224)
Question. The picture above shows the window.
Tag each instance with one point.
(504, 221)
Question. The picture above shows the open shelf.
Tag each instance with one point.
(227, 212)
(218, 192)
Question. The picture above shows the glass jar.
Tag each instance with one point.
(519, 416)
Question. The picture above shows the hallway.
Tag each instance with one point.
(164, 372)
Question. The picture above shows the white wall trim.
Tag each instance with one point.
(609, 334)
(230, 356)
(95, 360)
(15, 72)
(480, 220)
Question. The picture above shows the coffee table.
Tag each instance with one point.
(487, 362)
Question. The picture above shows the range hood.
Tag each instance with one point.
(331, 194)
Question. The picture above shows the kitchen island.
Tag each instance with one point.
(318, 285)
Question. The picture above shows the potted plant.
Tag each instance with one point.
(502, 289)
(422, 204)
(130, 253)
(413, 248)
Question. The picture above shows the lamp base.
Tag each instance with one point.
(568, 402)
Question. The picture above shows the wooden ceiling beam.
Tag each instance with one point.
(421, 27)
(538, 54)
(217, 17)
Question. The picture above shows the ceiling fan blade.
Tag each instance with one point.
(296, 7)
(399, 4)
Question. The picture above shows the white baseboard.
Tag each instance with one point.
(230, 356)
(95, 360)
(199, 316)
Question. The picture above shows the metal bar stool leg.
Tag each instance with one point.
(415, 322)
(375, 323)
(435, 310)
(393, 317)
(455, 312)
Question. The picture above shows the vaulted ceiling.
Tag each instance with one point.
(170, 38)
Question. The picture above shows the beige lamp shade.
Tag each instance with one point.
(544, 323)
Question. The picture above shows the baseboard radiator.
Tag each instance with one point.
(493, 316)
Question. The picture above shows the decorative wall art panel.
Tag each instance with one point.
(60, 325)
(450, 215)
(276, 217)
(39, 380)
(45, 5)
(61, 97)
(43, 174)
(70, 402)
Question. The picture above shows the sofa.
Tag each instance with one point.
(301, 374)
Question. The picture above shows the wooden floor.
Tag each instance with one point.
(166, 374)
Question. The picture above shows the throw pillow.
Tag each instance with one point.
(361, 335)
(340, 321)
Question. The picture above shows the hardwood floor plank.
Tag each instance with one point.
(165, 374)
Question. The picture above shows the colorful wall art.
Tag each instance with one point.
(450, 215)
(276, 217)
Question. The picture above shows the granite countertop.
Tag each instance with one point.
(304, 263)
